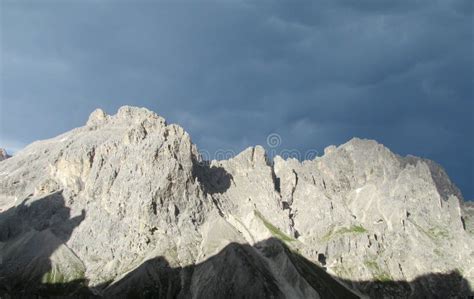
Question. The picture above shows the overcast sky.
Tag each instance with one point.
(232, 72)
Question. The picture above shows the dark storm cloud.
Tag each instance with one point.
(231, 72)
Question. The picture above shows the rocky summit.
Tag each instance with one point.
(124, 206)
(3, 154)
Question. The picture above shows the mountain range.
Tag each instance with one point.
(125, 206)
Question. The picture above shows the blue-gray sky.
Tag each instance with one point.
(231, 72)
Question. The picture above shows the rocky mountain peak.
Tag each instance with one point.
(97, 117)
(124, 205)
(3, 154)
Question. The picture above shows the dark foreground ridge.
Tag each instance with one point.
(237, 271)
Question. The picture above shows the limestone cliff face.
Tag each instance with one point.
(124, 205)
(379, 216)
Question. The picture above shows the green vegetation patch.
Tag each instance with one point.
(275, 231)
(62, 280)
(53, 276)
(434, 233)
(343, 271)
(377, 272)
(383, 277)
(56, 276)
(438, 233)
(354, 229)
(438, 252)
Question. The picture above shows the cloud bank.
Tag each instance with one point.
(232, 72)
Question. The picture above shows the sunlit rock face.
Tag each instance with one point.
(379, 216)
(124, 205)
(3, 154)
(468, 215)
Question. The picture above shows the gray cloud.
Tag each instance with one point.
(316, 72)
